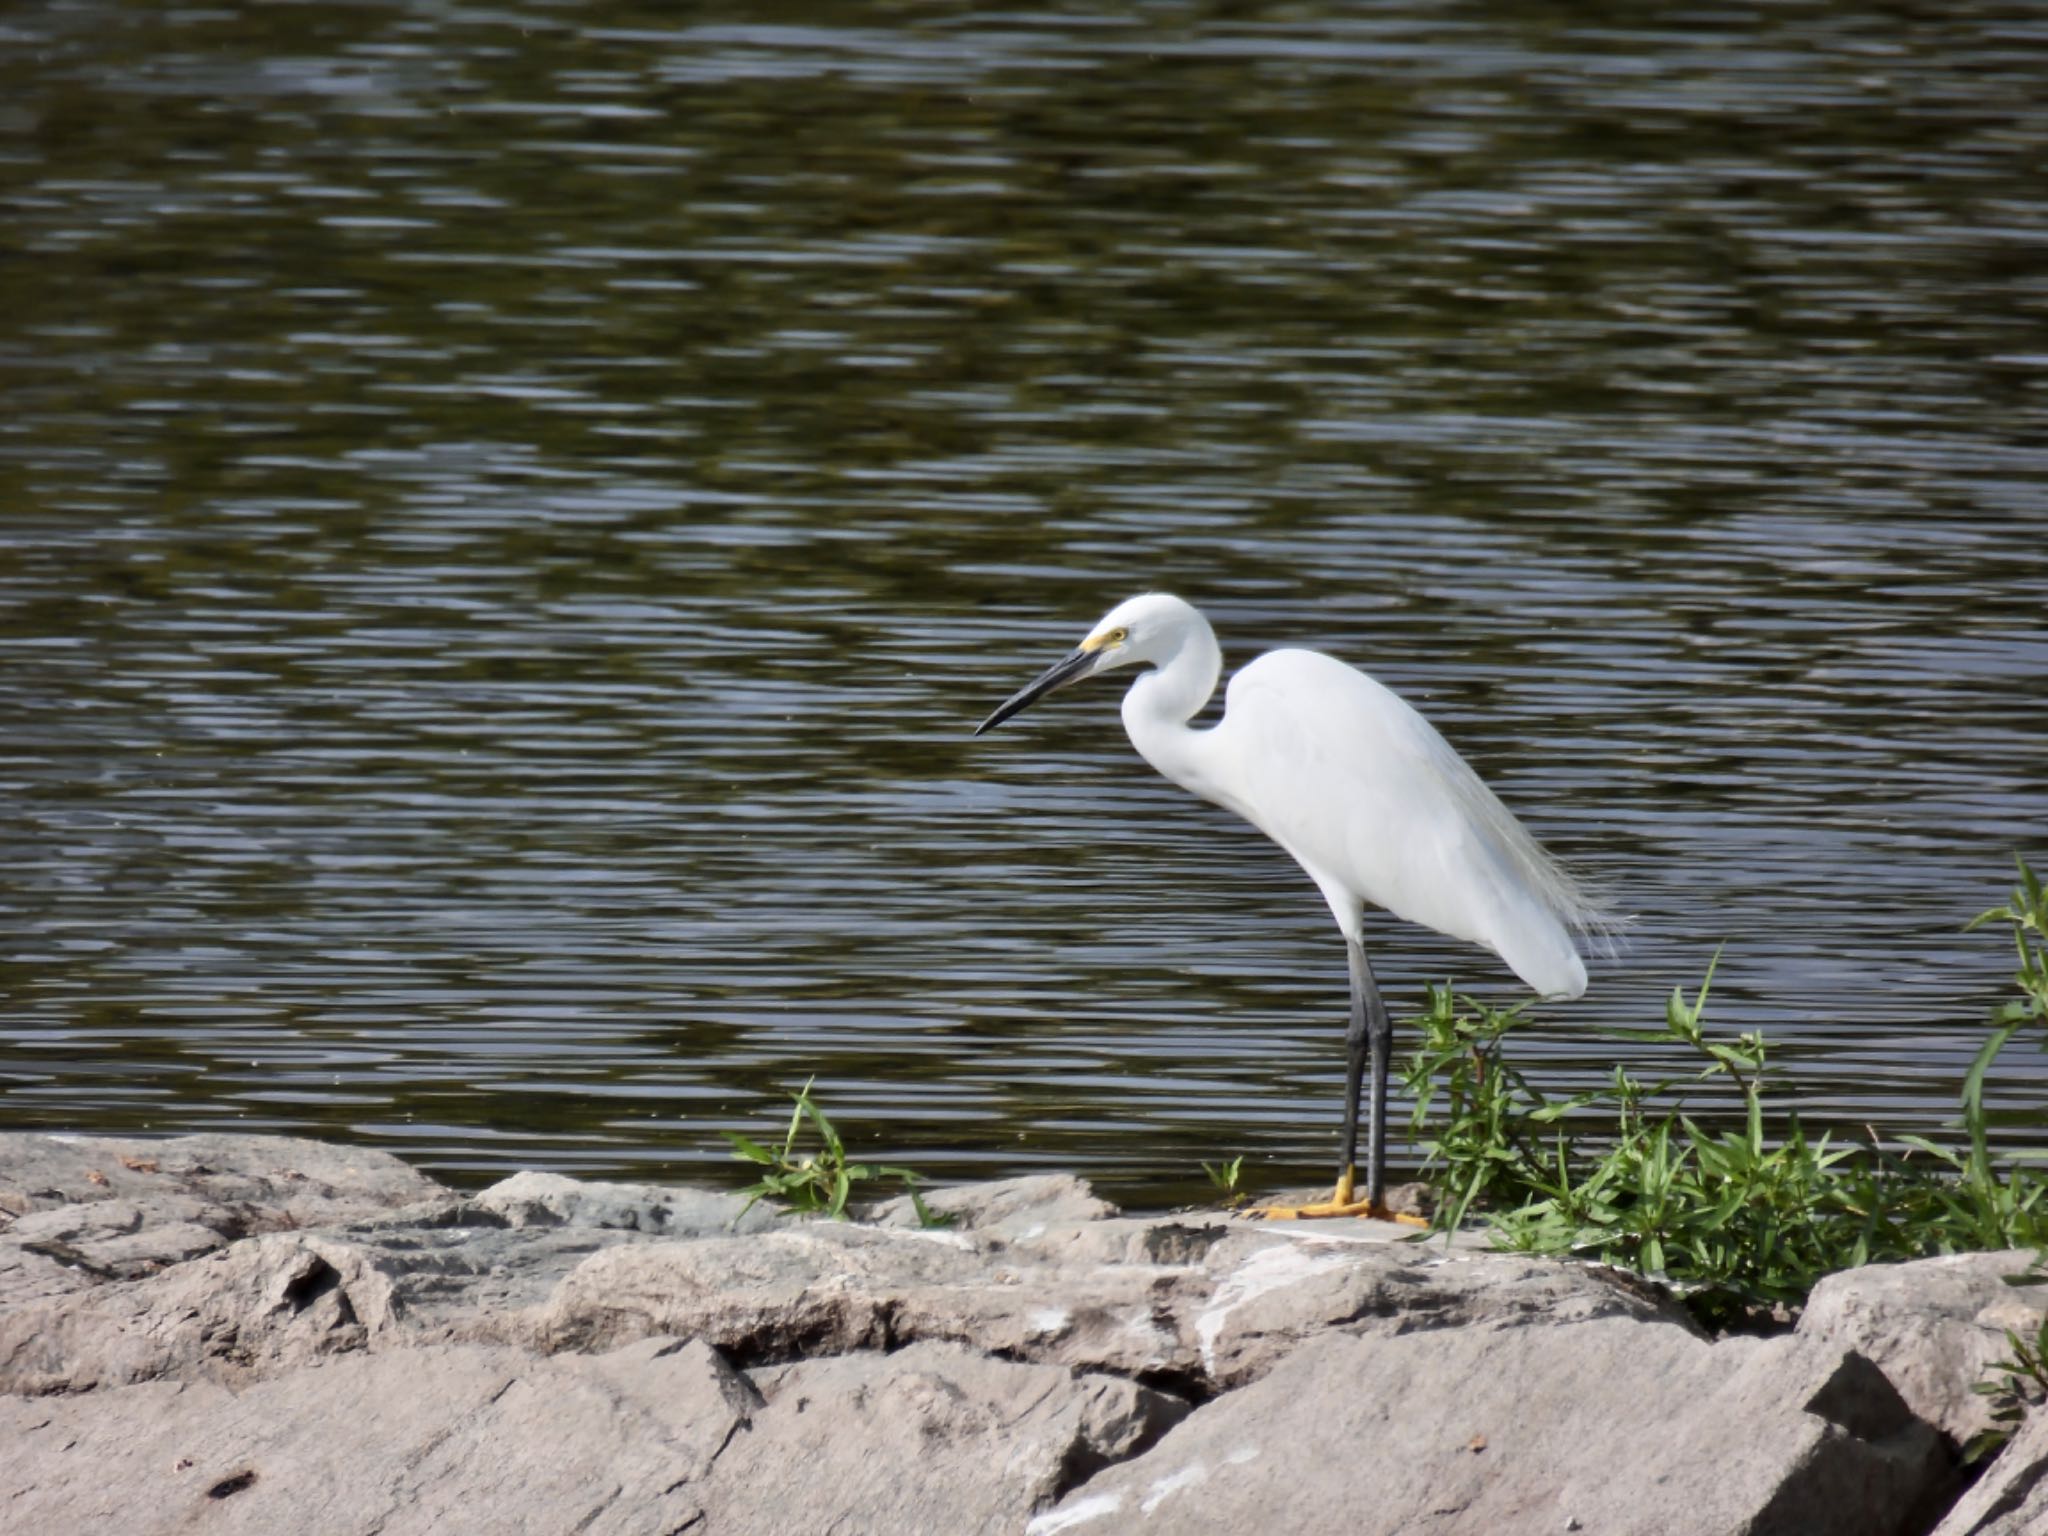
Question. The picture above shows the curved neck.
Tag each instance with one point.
(1161, 702)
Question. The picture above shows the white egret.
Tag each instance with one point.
(1368, 798)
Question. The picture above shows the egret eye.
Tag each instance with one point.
(1116, 637)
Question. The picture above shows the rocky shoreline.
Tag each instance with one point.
(256, 1334)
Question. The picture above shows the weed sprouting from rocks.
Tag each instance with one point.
(819, 1179)
(2016, 1386)
(1225, 1177)
(1738, 1223)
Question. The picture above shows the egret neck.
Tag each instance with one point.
(1159, 705)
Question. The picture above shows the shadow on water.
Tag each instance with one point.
(508, 517)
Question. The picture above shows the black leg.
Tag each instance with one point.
(1381, 1030)
(1355, 1042)
(1370, 1038)
(1371, 1031)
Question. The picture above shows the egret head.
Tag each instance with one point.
(1147, 629)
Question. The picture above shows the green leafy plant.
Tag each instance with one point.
(821, 1179)
(1224, 1176)
(2027, 915)
(1738, 1222)
(1487, 1139)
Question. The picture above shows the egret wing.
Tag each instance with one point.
(1364, 792)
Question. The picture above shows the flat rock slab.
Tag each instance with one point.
(932, 1440)
(662, 1436)
(441, 1439)
(1613, 1426)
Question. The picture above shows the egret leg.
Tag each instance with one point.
(1366, 1010)
(1371, 1032)
(1370, 1037)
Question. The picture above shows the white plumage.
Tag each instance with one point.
(1345, 775)
(1362, 791)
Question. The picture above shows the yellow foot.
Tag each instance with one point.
(1321, 1208)
(1342, 1202)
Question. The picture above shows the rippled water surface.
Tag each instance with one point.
(508, 516)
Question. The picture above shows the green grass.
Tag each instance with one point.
(1225, 1177)
(811, 1173)
(1739, 1223)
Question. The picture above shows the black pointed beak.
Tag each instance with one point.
(1068, 669)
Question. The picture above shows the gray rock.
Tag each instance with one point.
(658, 1437)
(1017, 1207)
(550, 1200)
(1210, 1305)
(1019, 1366)
(535, 1262)
(1933, 1326)
(1613, 1425)
(278, 1181)
(2011, 1498)
(63, 1248)
(933, 1440)
(1272, 1297)
(273, 1302)
(123, 1239)
(438, 1441)
(443, 1269)
(267, 1302)
(77, 1212)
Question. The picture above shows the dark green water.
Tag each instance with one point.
(508, 516)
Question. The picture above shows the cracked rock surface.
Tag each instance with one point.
(247, 1333)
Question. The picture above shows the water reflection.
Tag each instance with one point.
(509, 517)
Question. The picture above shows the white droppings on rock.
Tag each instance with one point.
(1080, 1512)
(1047, 1322)
(1167, 1487)
(1270, 1269)
(940, 1235)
